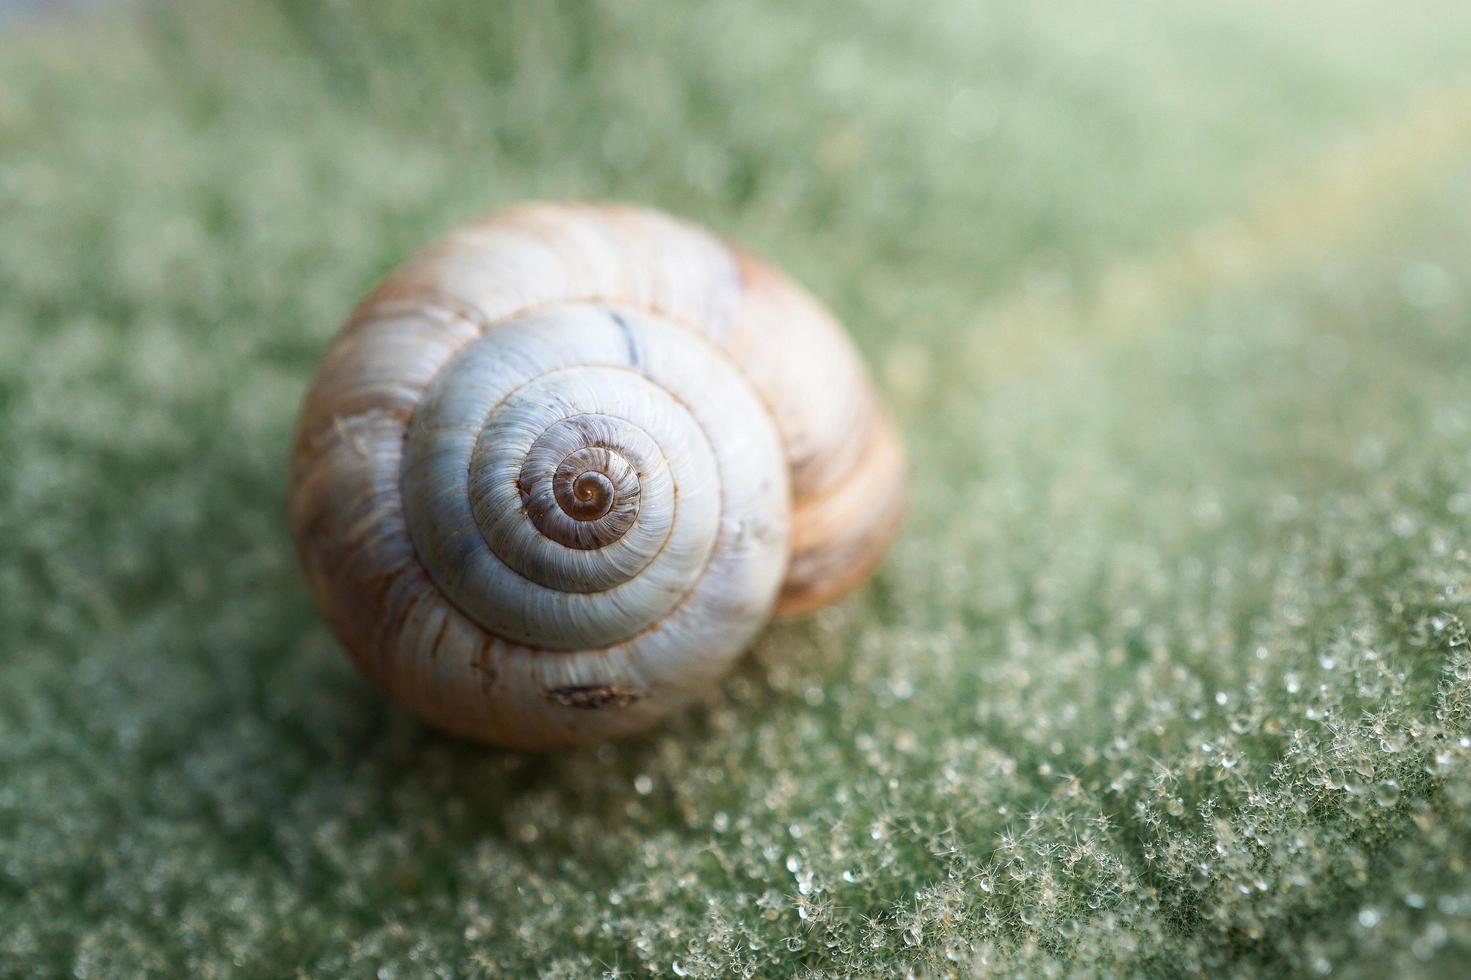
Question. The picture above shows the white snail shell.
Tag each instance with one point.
(561, 466)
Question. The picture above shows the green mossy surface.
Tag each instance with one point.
(1168, 675)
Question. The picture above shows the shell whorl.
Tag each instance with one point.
(609, 397)
(559, 468)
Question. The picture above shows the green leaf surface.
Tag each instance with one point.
(1168, 675)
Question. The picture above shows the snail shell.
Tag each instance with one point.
(560, 467)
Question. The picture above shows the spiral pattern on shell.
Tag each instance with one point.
(559, 469)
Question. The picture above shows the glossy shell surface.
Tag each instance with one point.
(560, 467)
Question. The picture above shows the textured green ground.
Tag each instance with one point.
(1168, 674)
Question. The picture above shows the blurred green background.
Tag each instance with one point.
(1168, 675)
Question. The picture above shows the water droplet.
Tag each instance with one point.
(643, 784)
(1430, 941)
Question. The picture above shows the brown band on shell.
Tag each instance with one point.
(840, 537)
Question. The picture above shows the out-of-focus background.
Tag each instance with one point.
(1168, 674)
